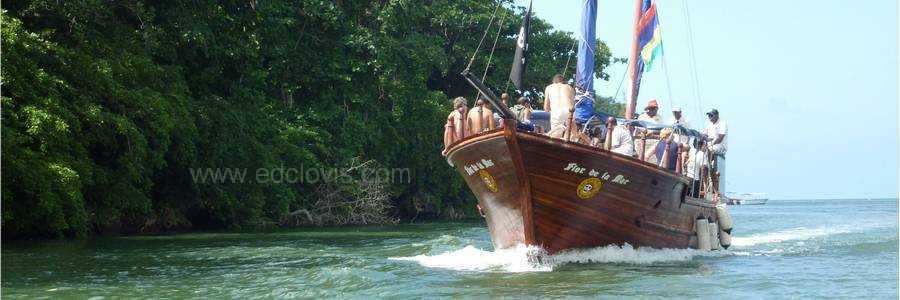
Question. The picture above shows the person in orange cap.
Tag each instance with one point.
(650, 114)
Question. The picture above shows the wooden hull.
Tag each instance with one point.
(559, 195)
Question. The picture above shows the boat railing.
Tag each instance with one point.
(646, 139)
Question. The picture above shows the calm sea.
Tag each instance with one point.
(784, 249)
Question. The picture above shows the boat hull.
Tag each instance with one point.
(559, 195)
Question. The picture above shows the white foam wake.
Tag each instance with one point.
(533, 259)
(470, 258)
(630, 255)
(794, 234)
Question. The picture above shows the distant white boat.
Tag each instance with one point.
(746, 198)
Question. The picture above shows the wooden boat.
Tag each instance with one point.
(559, 195)
(536, 190)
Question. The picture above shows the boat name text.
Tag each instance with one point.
(473, 168)
(575, 168)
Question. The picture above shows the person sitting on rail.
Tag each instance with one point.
(666, 150)
(455, 129)
(474, 124)
(487, 116)
(621, 140)
(559, 98)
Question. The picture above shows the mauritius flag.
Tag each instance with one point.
(649, 40)
(647, 44)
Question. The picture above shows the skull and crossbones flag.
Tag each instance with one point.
(520, 60)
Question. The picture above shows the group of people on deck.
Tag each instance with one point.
(696, 157)
(463, 122)
(672, 148)
(675, 149)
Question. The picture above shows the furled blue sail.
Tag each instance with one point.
(584, 77)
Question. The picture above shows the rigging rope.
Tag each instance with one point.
(621, 81)
(691, 56)
(571, 51)
(491, 22)
(662, 50)
(491, 57)
(666, 72)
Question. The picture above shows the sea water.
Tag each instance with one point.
(784, 249)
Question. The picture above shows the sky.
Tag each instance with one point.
(809, 89)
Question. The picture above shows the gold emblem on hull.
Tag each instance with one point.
(488, 180)
(589, 188)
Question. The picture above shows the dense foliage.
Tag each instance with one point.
(110, 107)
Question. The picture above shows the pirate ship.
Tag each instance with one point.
(549, 192)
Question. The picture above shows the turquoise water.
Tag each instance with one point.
(784, 249)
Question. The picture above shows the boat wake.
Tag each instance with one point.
(801, 234)
(794, 234)
(469, 258)
(534, 259)
(629, 255)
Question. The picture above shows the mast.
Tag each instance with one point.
(632, 62)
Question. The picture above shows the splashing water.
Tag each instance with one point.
(533, 259)
(630, 255)
(469, 258)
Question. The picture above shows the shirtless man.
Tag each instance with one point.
(559, 98)
(487, 116)
(474, 123)
(455, 128)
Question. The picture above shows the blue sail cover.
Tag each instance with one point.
(584, 78)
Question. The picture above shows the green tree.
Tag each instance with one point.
(108, 108)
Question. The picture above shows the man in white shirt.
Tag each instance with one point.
(679, 118)
(622, 141)
(717, 133)
(694, 167)
(680, 136)
(717, 138)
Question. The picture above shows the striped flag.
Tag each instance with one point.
(649, 39)
(648, 44)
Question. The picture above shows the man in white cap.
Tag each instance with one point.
(679, 136)
(679, 119)
(717, 143)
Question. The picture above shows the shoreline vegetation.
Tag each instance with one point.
(108, 108)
